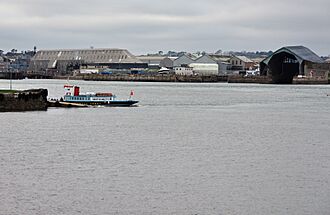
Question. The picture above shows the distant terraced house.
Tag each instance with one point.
(64, 61)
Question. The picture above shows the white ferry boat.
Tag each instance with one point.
(73, 95)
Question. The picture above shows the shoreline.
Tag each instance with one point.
(194, 79)
(188, 79)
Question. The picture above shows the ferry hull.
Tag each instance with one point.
(127, 103)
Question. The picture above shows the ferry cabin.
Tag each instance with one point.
(72, 94)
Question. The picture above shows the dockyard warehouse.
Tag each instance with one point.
(63, 61)
(291, 61)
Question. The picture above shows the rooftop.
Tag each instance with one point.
(88, 55)
(244, 59)
(300, 52)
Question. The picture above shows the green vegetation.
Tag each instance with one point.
(8, 91)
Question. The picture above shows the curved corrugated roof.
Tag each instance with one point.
(300, 52)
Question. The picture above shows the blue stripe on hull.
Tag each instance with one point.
(110, 103)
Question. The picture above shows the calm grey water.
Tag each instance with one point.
(187, 149)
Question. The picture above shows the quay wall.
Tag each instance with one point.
(13, 75)
(192, 78)
(28, 100)
(252, 79)
(310, 80)
(151, 78)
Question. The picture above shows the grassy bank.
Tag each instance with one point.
(8, 91)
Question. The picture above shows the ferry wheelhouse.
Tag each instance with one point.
(73, 95)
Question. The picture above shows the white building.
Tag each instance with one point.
(183, 70)
(223, 62)
(205, 68)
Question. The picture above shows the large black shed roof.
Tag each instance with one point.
(300, 52)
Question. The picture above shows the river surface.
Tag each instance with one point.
(186, 149)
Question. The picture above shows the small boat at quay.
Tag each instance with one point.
(73, 96)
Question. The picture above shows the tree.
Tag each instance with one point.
(219, 52)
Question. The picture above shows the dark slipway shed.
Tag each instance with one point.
(288, 62)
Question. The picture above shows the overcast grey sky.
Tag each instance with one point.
(144, 26)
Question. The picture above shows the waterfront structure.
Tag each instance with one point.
(241, 63)
(183, 60)
(291, 61)
(153, 61)
(224, 67)
(14, 64)
(184, 70)
(4, 65)
(327, 60)
(27, 100)
(167, 62)
(206, 69)
(63, 61)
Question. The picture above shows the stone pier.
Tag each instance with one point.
(27, 100)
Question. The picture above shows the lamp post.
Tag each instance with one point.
(10, 76)
(10, 82)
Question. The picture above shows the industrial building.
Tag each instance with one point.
(3, 65)
(291, 61)
(205, 69)
(241, 63)
(181, 61)
(224, 67)
(327, 60)
(167, 62)
(183, 70)
(62, 62)
(152, 61)
(221, 62)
